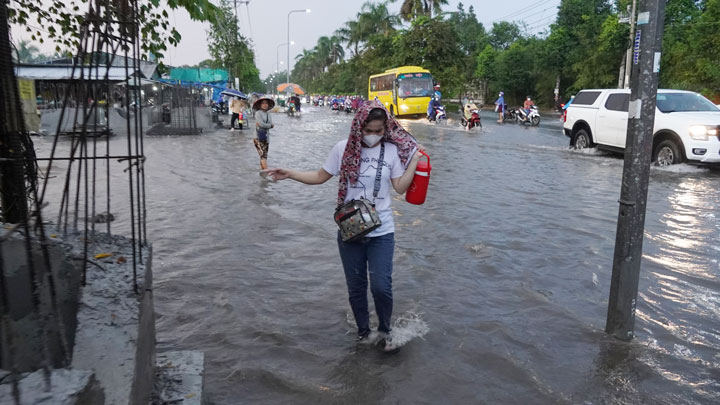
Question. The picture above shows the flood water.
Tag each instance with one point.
(501, 278)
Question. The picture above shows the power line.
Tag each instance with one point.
(522, 10)
(535, 23)
(540, 12)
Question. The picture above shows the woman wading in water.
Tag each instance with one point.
(374, 137)
(263, 124)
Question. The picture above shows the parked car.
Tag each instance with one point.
(687, 125)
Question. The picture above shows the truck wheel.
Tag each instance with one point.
(392, 110)
(667, 153)
(582, 140)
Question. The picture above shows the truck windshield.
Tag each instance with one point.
(415, 85)
(676, 102)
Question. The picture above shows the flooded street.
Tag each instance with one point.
(508, 265)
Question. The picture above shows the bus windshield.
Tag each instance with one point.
(414, 85)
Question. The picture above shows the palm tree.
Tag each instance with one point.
(337, 52)
(26, 52)
(324, 50)
(350, 34)
(435, 6)
(412, 9)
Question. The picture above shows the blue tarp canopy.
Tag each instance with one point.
(218, 88)
(200, 75)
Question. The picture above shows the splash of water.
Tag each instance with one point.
(405, 328)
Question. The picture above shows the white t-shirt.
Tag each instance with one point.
(392, 169)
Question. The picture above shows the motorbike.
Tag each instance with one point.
(321, 102)
(291, 109)
(533, 117)
(219, 108)
(348, 108)
(335, 106)
(440, 116)
(474, 120)
(510, 114)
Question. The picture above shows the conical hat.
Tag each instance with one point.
(256, 104)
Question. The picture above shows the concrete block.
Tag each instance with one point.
(116, 328)
(179, 378)
(67, 387)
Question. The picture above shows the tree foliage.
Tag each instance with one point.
(230, 50)
(62, 20)
(584, 47)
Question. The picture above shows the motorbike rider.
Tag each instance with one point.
(296, 100)
(432, 107)
(469, 107)
(437, 92)
(527, 105)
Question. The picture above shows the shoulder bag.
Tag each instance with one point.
(262, 133)
(357, 218)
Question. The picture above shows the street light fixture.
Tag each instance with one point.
(288, 38)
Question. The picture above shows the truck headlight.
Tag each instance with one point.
(404, 107)
(699, 132)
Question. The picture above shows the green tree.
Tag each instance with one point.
(25, 52)
(432, 43)
(503, 34)
(230, 50)
(62, 20)
(412, 9)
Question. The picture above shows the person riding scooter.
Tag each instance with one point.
(527, 106)
(295, 100)
(471, 113)
(432, 108)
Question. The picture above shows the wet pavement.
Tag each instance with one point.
(501, 278)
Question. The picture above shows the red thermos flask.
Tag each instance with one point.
(418, 188)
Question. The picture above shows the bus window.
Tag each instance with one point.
(382, 83)
(415, 85)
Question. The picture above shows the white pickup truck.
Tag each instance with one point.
(687, 125)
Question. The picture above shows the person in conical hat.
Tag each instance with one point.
(263, 124)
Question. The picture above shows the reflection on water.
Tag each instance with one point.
(508, 264)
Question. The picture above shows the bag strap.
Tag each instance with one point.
(378, 176)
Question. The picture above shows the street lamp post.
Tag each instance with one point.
(277, 52)
(288, 39)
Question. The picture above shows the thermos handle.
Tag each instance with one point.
(426, 155)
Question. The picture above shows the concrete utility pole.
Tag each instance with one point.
(13, 196)
(632, 36)
(636, 170)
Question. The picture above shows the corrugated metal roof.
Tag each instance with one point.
(58, 72)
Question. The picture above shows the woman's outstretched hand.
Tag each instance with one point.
(276, 174)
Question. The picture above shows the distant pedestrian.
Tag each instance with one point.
(235, 110)
(500, 106)
(263, 124)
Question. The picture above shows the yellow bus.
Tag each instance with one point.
(405, 90)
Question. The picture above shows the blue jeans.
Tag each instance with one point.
(376, 256)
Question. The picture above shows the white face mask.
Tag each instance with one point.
(371, 140)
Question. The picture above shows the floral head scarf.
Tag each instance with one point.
(394, 133)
